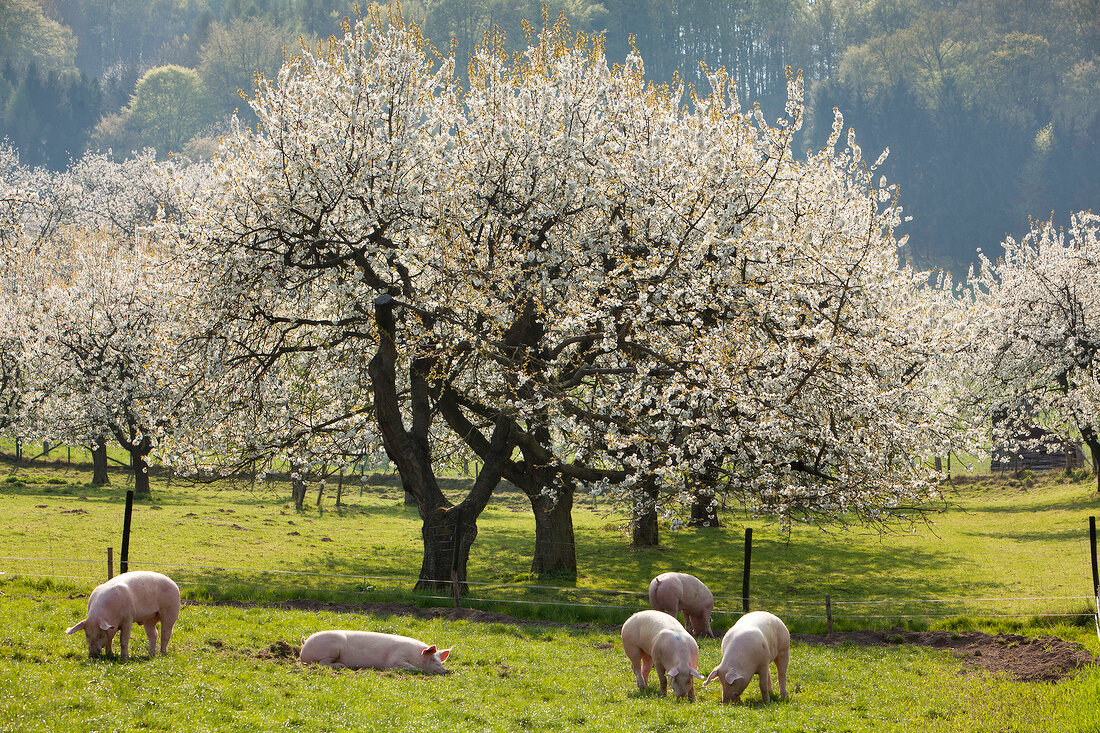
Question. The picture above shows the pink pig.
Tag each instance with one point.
(674, 592)
(655, 639)
(138, 597)
(370, 649)
(749, 648)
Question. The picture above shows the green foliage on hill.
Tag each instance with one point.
(990, 107)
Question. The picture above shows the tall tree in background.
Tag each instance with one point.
(49, 115)
(169, 107)
(27, 37)
(234, 54)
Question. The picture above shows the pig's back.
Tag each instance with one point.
(643, 627)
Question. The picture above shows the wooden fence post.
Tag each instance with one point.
(1092, 545)
(828, 613)
(745, 576)
(110, 563)
(124, 556)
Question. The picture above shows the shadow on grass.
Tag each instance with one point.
(1069, 536)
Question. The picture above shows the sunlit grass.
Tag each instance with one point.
(221, 674)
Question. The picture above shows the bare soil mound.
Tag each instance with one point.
(1024, 658)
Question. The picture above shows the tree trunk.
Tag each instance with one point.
(443, 531)
(140, 465)
(1092, 440)
(704, 509)
(644, 522)
(410, 449)
(555, 544)
(1094, 448)
(297, 488)
(99, 463)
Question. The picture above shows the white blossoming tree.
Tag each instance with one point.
(588, 282)
(96, 314)
(14, 202)
(1039, 340)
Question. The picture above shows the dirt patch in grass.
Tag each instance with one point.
(1024, 658)
(280, 650)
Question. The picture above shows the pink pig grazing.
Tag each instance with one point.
(369, 649)
(138, 597)
(748, 648)
(653, 638)
(674, 592)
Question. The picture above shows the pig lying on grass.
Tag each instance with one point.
(653, 638)
(674, 592)
(139, 597)
(749, 647)
(369, 649)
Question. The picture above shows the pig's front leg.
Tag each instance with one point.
(124, 639)
(662, 678)
(765, 673)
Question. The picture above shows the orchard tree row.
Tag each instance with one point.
(556, 268)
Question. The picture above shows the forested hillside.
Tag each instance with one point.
(991, 108)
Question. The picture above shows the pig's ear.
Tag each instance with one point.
(672, 672)
(696, 675)
(428, 651)
(732, 677)
(105, 626)
(443, 654)
(78, 627)
(711, 677)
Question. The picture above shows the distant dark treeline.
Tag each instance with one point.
(991, 108)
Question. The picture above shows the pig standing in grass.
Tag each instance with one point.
(653, 638)
(749, 647)
(369, 649)
(674, 592)
(139, 597)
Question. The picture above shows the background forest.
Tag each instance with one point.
(990, 108)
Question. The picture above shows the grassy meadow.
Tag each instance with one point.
(1003, 539)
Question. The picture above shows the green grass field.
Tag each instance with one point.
(1003, 539)
(221, 674)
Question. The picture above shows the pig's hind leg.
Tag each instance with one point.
(781, 662)
(640, 663)
(167, 621)
(151, 632)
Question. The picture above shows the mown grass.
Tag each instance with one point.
(220, 675)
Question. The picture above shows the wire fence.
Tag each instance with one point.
(215, 582)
